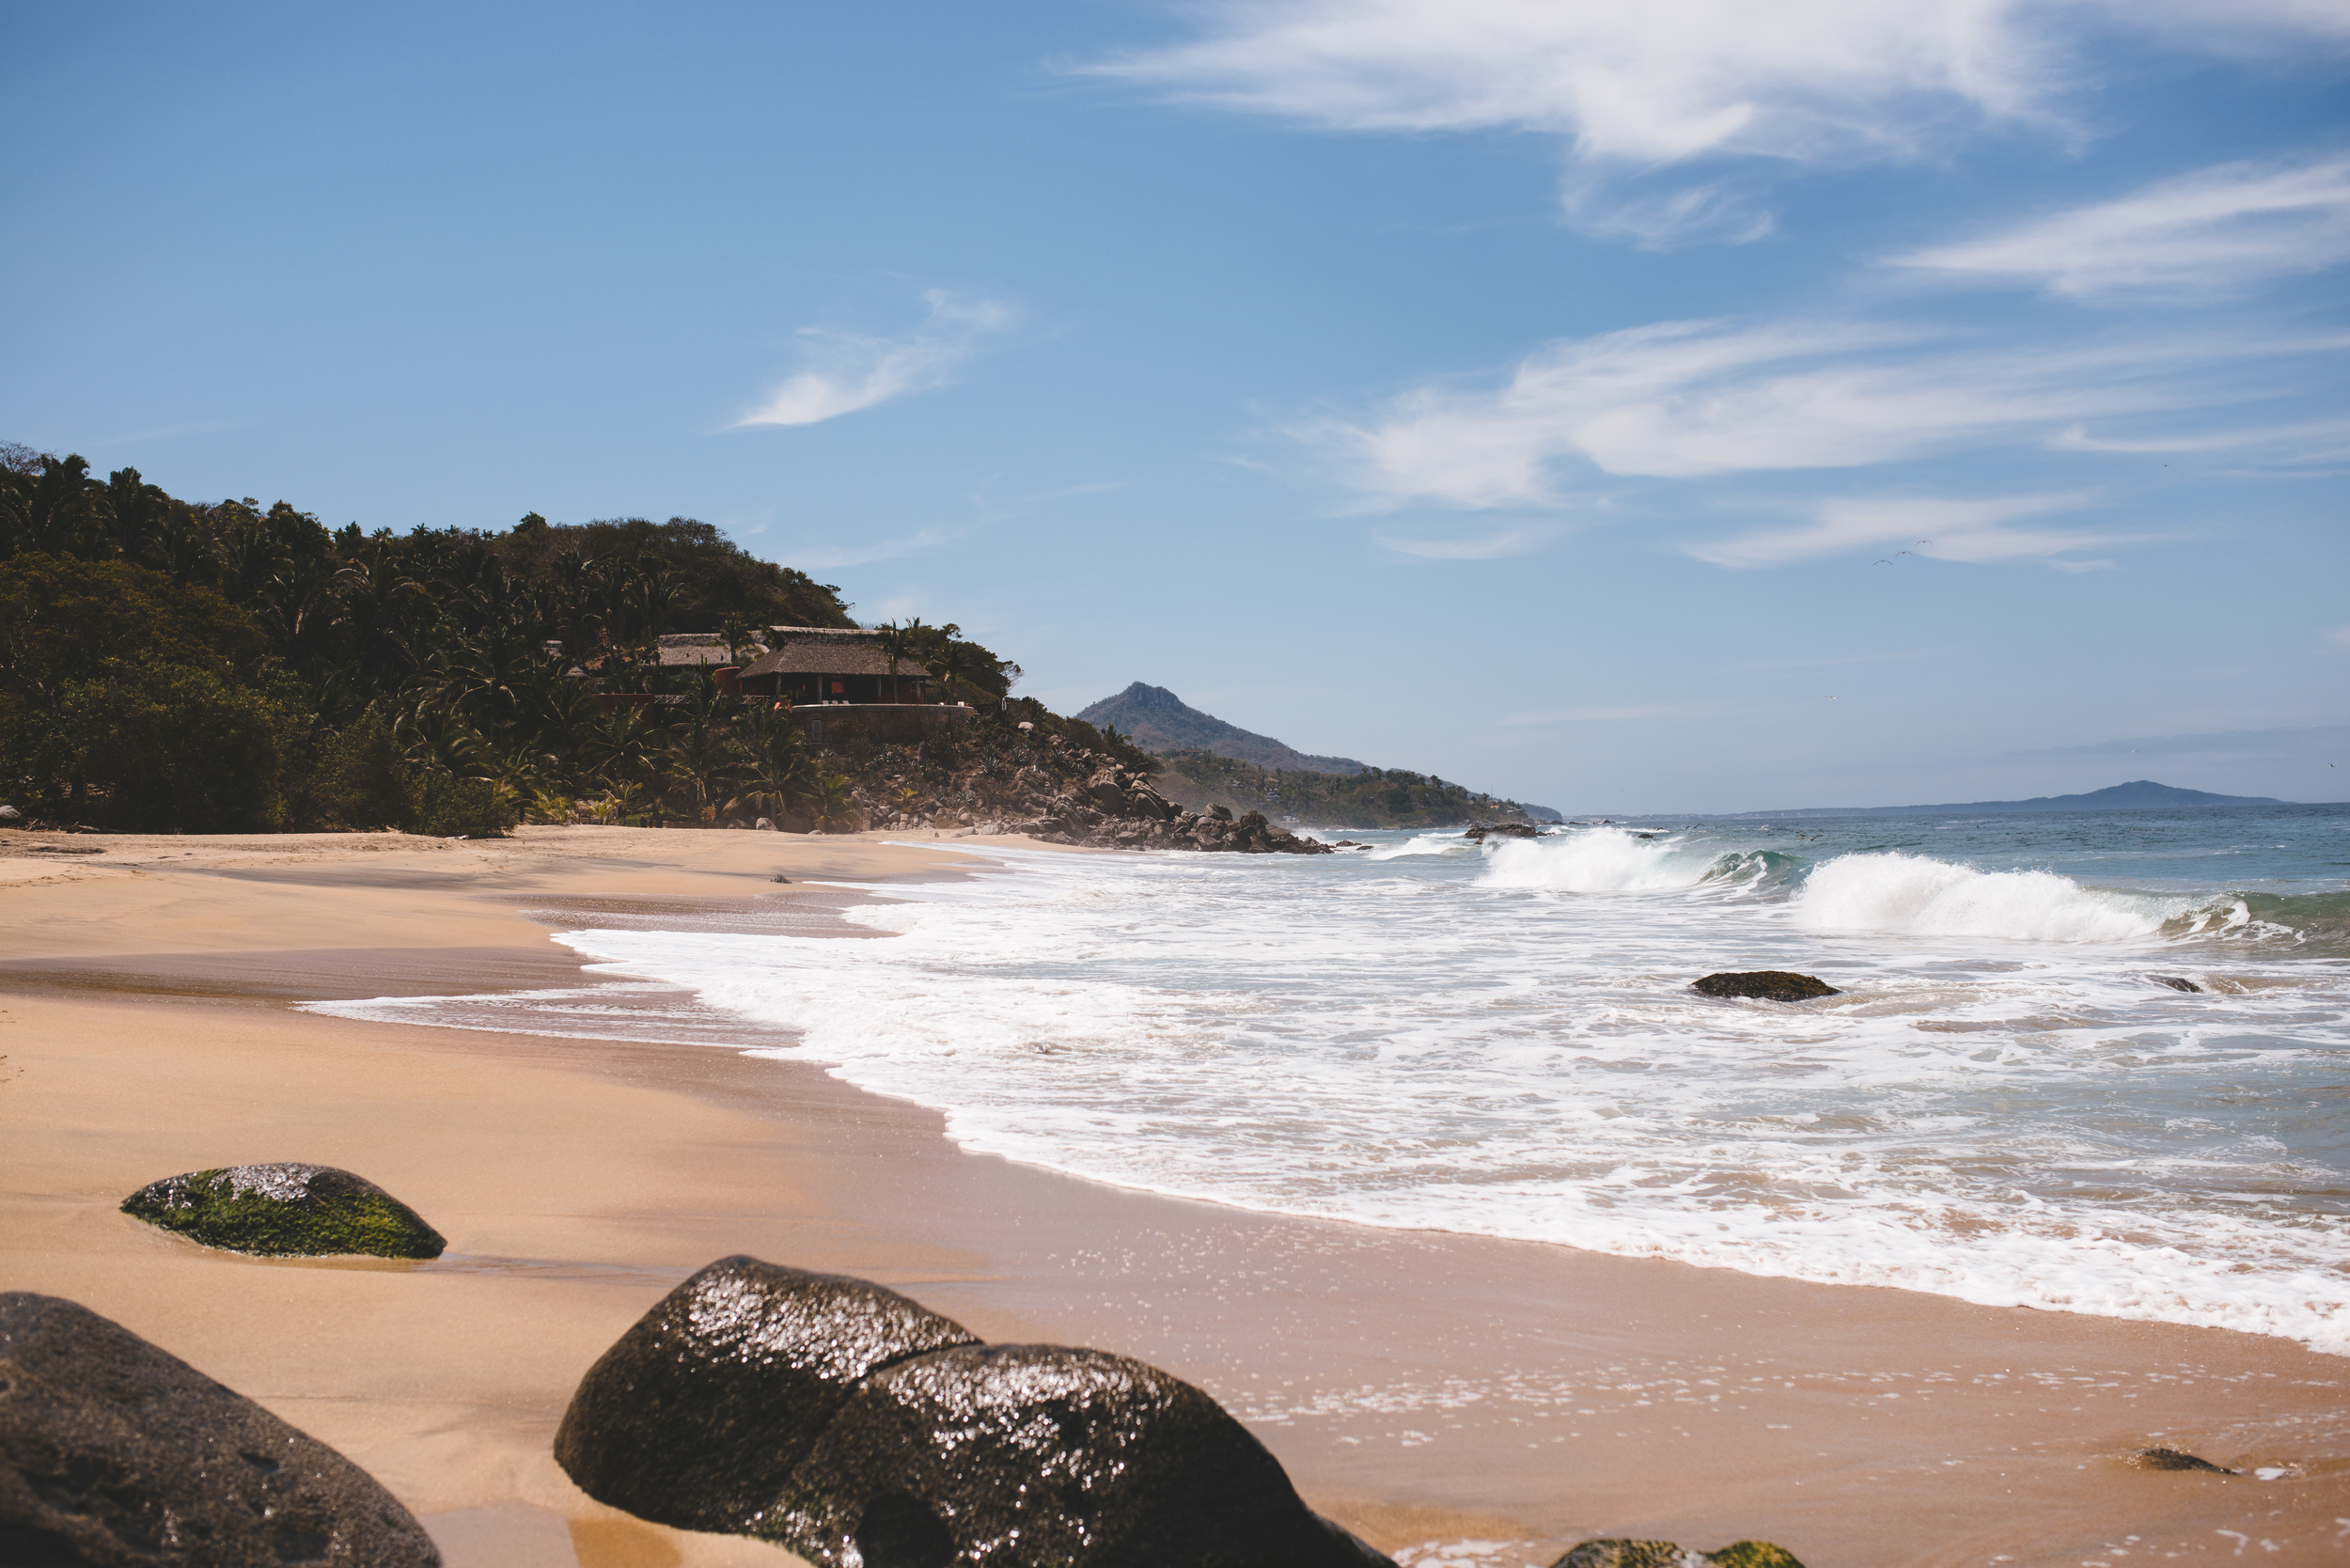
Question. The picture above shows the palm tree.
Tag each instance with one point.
(835, 805)
(777, 771)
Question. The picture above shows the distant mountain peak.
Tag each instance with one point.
(1157, 720)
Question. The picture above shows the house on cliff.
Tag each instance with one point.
(813, 665)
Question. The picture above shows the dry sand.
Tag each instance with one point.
(1419, 1386)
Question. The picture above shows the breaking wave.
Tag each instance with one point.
(1914, 895)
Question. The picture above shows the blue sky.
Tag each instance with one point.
(1541, 394)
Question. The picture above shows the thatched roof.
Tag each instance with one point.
(822, 650)
(695, 647)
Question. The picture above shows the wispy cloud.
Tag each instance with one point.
(1937, 529)
(1483, 545)
(2320, 441)
(1686, 399)
(2211, 231)
(2338, 636)
(847, 372)
(1669, 81)
(1660, 82)
(824, 559)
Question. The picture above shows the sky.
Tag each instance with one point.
(1678, 407)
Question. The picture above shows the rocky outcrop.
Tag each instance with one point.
(1483, 831)
(2175, 982)
(1116, 810)
(1664, 1554)
(286, 1210)
(1770, 985)
(698, 1415)
(114, 1453)
(858, 1428)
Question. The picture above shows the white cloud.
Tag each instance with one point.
(1938, 528)
(849, 372)
(2319, 442)
(1666, 80)
(824, 558)
(1685, 398)
(1490, 544)
(2214, 229)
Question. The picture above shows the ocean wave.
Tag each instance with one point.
(1424, 845)
(1914, 895)
(1598, 860)
(2319, 918)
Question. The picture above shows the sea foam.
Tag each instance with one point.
(1912, 894)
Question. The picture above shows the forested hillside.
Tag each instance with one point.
(168, 664)
(1375, 797)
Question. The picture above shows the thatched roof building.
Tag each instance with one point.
(811, 664)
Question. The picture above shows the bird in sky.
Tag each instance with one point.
(1881, 562)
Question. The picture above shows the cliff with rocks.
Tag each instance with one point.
(1375, 797)
(1052, 778)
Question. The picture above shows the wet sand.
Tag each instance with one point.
(1421, 1387)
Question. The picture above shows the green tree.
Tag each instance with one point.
(174, 749)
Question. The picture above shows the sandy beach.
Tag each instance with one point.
(1419, 1386)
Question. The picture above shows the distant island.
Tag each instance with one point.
(2142, 794)
(1210, 762)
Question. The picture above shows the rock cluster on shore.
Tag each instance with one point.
(854, 1426)
(1113, 807)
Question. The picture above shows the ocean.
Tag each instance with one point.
(2006, 1105)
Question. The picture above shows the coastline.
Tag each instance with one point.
(1418, 1386)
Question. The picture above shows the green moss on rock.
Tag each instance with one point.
(286, 1210)
(1665, 1554)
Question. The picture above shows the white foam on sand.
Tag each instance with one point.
(1506, 1045)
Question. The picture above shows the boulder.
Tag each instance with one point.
(1037, 1455)
(1484, 831)
(2172, 1459)
(287, 1211)
(114, 1453)
(1664, 1554)
(696, 1417)
(2174, 982)
(1770, 985)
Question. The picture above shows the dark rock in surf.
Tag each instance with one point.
(1665, 1554)
(2175, 983)
(696, 1417)
(1040, 1454)
(2172, 1459)
(1770, 985)
(114, 1453)
(291, 1210)
(1484, 831)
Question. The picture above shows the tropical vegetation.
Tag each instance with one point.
(176, 666)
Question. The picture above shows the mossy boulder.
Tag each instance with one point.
(115, 1455)
(303, 1211)
(1665, 1554)
(1770, 985)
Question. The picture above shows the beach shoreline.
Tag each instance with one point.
(1419, 1386)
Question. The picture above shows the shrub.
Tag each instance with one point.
(177, 750)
